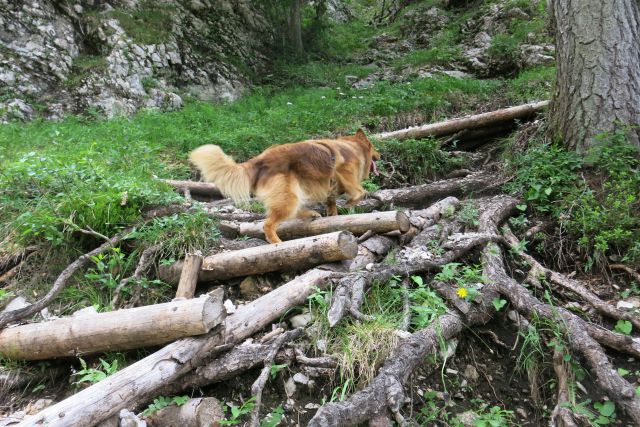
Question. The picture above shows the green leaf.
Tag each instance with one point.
(622, 372)
(180, 400)
(521, 208)
(498, 303)
(606, 409)
(418, 280)
(624, 327)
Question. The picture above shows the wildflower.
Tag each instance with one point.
(462, 292)
(289, 103)
(323, 97)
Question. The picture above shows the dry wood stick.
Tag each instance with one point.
(425, 193)
(189, 276)
(116, 330)
(143, 379)
(471, 122)
(378, 222)
(258, 386)
(146, 259)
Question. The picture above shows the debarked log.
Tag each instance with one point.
(476, 121)
(292, 255)
(144, 379)
(377, 222)
(113, 331)
(194, 187)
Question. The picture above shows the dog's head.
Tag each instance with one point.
(374, 156)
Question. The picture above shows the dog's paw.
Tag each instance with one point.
(308, 214)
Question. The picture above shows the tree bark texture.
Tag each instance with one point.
(598, 70)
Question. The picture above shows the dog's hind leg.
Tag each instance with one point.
(281, 202)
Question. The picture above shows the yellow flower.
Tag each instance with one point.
(462, 292)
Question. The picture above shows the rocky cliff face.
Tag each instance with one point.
(115, 57)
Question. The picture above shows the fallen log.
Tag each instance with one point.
(142, 380)
(113, 331)
(449, 127)
(292, 255)
(426, 193)
(378, 222)
(196, 188)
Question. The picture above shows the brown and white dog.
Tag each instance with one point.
(288, 176)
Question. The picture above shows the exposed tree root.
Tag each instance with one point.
(258, 386)
(633, 273)
(577, 331)
(561, 415)
(386, 390)
(575, 286)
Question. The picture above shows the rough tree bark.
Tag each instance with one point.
(598, 77)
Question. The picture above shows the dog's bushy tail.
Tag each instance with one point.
(231, 178)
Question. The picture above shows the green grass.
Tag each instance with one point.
(149, 24)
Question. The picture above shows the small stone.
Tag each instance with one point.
(301, 378)
(451, 371)
(16, 304)
(290, 387)
(300, 320)
(129, 419)
(629, 304)
(229, 306)
(468, 418)
(37, 406)
(321, 345)
(87, 311)
(249, 288)
(471, 373)
(311, 406)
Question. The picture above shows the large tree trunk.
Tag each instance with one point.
(598, 77)
(295, 26)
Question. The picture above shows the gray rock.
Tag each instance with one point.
(16, 304)
(300, 320)
(129, 419)
(301, 378)
(37, 406)
(471, 373)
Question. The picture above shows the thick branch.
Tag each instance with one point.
(471, 122)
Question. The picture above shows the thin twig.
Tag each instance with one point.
(258, 386)
(146, 259)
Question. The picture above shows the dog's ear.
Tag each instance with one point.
(361, 135)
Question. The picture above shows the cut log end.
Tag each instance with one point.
(403, 222)
(348, 244)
